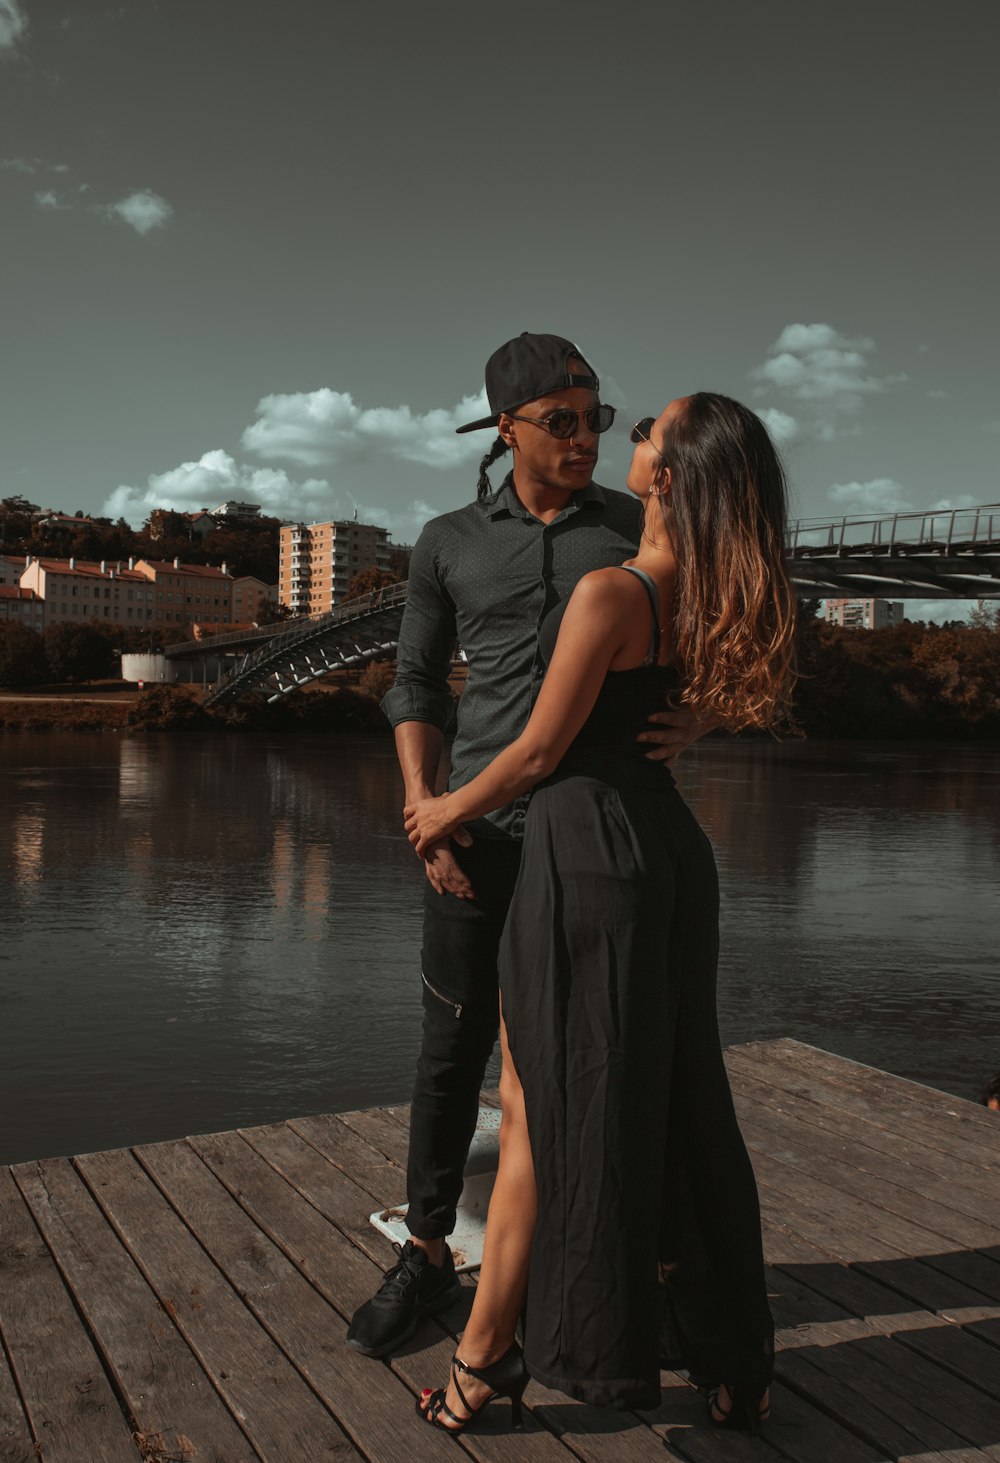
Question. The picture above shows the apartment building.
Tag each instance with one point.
(189, 592)
(22, 606)
(11, 568)
(147, 592)
(79, 591)
(249, 593)
(318, 561)
(864, 614)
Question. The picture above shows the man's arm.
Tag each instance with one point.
(419, 705)
(418, 747)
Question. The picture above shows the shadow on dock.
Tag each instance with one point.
(187, 1300)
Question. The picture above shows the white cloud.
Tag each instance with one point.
(937, 611)
(13, 24)
(32, 165)
(59, 202)
(882, 496)
(992, 427)
(937, 395)
(325, 426)
(878, 495)
(213, 478)
(945, 505)
(781, 426)
(142, 211)
(216, 476)
(830, 371)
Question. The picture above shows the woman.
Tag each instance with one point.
(625, 1204)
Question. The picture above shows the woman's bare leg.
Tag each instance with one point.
(503, 1276)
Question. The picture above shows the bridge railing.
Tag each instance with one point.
(937, 531)
(288, 631)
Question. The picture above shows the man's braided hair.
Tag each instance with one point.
(485, 486)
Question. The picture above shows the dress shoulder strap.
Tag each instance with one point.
(649, 584)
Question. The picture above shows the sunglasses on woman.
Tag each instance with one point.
(640, 432)
(562, 422)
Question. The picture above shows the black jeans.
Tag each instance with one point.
(461, 1023)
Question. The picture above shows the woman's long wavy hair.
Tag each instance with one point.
(734, 622)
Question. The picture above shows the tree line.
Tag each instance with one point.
(913, 680)
(247, 546)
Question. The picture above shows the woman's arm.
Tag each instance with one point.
(593, 630)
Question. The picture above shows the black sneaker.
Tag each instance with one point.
(408, 1291)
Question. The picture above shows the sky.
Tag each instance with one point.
(263, 251)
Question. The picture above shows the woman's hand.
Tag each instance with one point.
(427, 821)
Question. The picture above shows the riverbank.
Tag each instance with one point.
(110, 707)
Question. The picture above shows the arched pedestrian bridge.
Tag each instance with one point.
(942, 555)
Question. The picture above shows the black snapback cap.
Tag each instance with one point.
(528, 367)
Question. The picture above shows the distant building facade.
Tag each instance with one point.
(21, 605)
(143, 592)
(79, 591)
(318, 561)
(233, 509)
(863, 614)
(11, 568)
(249, 594)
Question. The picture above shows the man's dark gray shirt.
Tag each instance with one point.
(485, 576)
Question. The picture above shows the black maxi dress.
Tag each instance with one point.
(647, 1248)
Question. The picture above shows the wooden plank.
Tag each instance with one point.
(172, 1402)
(72, 1409)
(894, 1188)
(280, 1414)
(16, 1443)
(342, 1200)
(381, 1132)
(876, 1149)
(838, 1290)
(870, 1124)
(348, 1152)
(879, 1240)
(889, 1393)
(254, 1242)
(949, 1124)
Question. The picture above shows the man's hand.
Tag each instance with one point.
(672, 732)
(443, 869)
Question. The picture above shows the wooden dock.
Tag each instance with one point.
(185, 1302)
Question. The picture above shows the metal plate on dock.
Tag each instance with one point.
(480, 1174)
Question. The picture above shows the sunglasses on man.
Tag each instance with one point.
(563, 423)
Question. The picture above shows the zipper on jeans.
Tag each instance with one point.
(455, 1005)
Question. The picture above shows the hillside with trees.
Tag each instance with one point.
(245, 545)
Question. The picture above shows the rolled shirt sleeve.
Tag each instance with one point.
(427, 640)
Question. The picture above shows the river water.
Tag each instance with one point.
(203, 933)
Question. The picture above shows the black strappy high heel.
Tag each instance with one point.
(507, 1377)
(744, 1411)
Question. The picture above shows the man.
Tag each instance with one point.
(484, 576)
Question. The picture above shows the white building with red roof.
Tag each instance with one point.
(144, 592)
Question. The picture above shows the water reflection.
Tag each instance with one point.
(199, 933)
